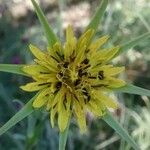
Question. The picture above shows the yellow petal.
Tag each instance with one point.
(69, 33)
(110, 103)
(58, 48)
(63, 118)
(50, 102)
(34, 86)
(80, 56)
(94, 108)
(47, 77)
(98, 43)
(94, 70)
(86, 37)
(37, 52)
(111, 53)
(52, 53)
(115, 83)
(113, 71)
(70, 44)
(107, 101)
(50, 67)
(41, 99)
(59, 98)
(52, 115)
(80, 115)
(34, 69)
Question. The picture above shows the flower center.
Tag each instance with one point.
(77, 77)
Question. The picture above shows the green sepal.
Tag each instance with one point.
(112, 122)
(50, 35)
(11, 68)
(134, 42)
(24, 112)
(95, 21)
(132, 89)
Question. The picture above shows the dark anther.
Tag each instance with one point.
(84, 73)
(80, 72)
(65, 65)
(87, 50)
(77, 82)
(61, 74)
(88, 98)
(85, 92)
(87, 66)
(58, 85)
(85, 61)
(101, 75)
(91, 77)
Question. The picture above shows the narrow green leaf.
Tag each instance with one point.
(110, 120)
(98, 15)
(17, 69)
(134, 42)
(132, 89)
(63, 138)
(24, 112)
(51, 37)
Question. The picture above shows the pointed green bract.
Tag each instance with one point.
(16, 69)
(63, 138)
(98, 16)
(132, 89)
(24, 112)
(51, 37)
(133, 42)
(108, 118)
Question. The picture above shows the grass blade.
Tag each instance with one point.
(108, 118)
(63, 138)
(134, 42)
(98, 15)
(17, 69)
(132, 89)
(51, 37)
(24, 112)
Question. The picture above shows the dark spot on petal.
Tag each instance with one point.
(77, 82)
(92, 77)
(54, 58)
(65, 65)
(101, 75)
(85, 61)
(61, 74)
(58, 85)
(44, 83)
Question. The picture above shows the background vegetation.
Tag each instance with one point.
(123, 21)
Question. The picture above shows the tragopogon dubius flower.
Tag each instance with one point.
(74, 78)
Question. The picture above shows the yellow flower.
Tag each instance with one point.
(74, 78)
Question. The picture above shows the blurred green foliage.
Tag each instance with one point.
(123, 21)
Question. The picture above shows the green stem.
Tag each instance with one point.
(63, 138)
(108, 118)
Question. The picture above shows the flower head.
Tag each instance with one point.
(74, 78)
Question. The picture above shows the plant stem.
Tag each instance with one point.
(63, 138)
